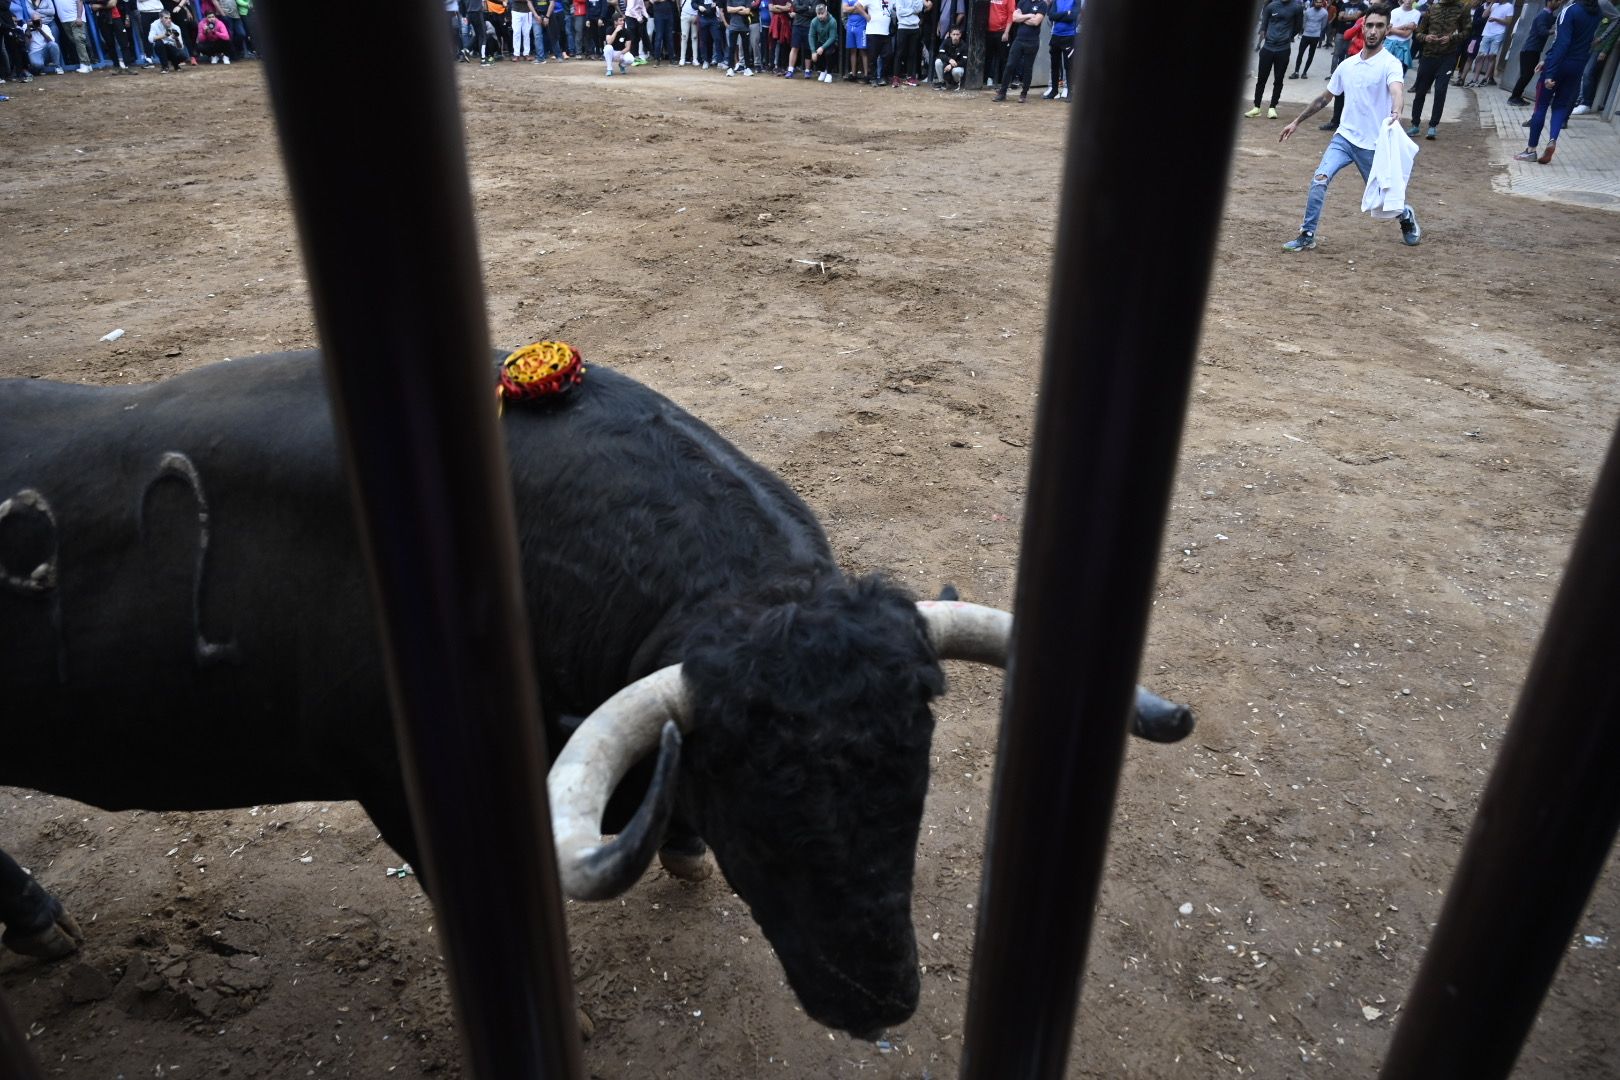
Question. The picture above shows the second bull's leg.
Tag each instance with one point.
(35, 922)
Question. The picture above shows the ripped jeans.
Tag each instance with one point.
(1339, 153)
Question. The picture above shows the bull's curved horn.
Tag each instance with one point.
(649, 712)
(961, 631)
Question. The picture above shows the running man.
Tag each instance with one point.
(1372, 84)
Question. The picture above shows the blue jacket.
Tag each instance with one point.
(1540, 28)
(1573, 45)
(1065, 18)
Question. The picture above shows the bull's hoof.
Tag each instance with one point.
(698, 867)
(62, 937)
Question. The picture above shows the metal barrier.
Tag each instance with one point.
(1127, 298)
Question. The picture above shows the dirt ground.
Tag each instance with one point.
(1387, 453)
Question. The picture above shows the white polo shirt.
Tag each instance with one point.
(1365, 85)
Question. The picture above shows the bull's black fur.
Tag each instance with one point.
(645, 539)
(815, 716)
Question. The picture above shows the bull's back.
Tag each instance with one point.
(206, 629)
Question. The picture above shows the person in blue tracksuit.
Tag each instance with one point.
(1559, 85)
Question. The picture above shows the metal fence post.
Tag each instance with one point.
(1136, 237)
(384, 213)
(1544, 827)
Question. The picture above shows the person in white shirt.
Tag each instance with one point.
(44, 54)
(1498, 18)
(1372, 84)
(71, 14)
(148, 10)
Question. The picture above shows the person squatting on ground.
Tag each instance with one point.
(1372, 84)
(617, 50)
(1560, 79)
(213, 39)
(44, 54)
(1541, 28)
(1441, 33)
(1026, 21)
(1314, 29)
(824, 44)
(1060, 47)
(1280, 22)
(166, 42)
(13, 47)
(950, 65)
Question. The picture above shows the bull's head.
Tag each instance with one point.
(807, 764)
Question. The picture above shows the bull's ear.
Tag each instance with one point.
(949, 595)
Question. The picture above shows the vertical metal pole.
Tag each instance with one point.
(1136, 238)
(16, 1063)
(1544, 827)
(379, 185)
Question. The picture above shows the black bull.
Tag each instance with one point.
(185, 624)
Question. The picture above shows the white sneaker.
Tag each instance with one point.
(83, 69)
(730, 72)
(226, 59)
(705, 65)
(749, 72)
(1580, 110)
(682, 63)
(59, 71)
(122, 66)
(213, 60)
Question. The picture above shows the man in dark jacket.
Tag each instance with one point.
(1280, 23)
(1442, 32)
(1530, 52)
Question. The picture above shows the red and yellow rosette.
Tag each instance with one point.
(546, 369)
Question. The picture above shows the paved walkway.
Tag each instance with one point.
(1584, 172)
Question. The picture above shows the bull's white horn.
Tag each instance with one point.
(622, 730)
(963, 631)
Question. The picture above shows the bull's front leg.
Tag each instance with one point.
(35, 921)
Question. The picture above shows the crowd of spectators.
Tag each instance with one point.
(891, 43)
(52, 37)
(878, 42)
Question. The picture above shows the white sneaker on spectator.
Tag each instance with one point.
(60, 71)
(748, 72)
(84, 69)
(227, 60)
(730, 72)
(213, 60)
(1580, 110)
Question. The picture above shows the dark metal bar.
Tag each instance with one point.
(1543, 830)
(384, 212)
(16, 1063)
(1135, 243)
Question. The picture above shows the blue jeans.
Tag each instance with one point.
(45, 56)
(1339, 153)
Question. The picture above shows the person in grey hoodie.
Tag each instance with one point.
(1315, 23)
(1280, 22)
(907, 40)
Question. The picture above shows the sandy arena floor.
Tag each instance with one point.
(1387, 454)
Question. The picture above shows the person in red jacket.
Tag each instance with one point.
(1357, 41)
(996, 41)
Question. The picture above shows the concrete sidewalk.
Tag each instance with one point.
(1584, 172)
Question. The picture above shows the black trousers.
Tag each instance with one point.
(1273, 62)
(116, 45)
(1527, 71)
(908, 53)
(1304, 44)
(1435, 72)
(1061, 52)
(1020, 62)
